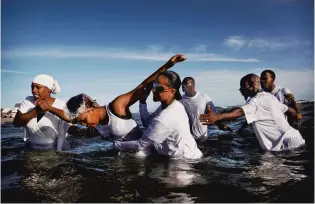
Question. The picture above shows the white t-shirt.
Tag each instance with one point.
(170, 131)
(49, 131)
(121, 129)
(195, 106)
(271, 128)
(279, 93)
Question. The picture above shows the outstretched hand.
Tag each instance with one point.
(177, 58)
(209, 118)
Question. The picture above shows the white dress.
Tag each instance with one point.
(50, 131)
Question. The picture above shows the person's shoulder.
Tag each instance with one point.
(204, 95)
(285, 90)
(60, 103)
(29, 99)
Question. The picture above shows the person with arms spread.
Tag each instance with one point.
(266, 114)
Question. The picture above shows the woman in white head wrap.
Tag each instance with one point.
(38, 115)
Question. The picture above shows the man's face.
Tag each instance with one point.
(267, 81)
(188, 87)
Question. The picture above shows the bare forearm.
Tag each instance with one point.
(22, 119)
(152, 77)
(232, 115)
(59, 113)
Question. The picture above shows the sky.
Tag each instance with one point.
(106, 48)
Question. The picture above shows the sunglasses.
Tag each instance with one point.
(159, 88)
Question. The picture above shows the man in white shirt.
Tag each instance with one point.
(284, 95)
(266, 114)
(195, 103)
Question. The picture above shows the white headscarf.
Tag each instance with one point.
(48, 81)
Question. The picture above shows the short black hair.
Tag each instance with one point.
(174, 82)
(273, 75)
(247, 79)
(187, 79)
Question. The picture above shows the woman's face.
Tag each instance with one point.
(161, 92)
(89, 118)
(40, 91)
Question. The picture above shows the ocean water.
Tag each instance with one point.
(233, 169)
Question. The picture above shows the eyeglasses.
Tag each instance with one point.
(159, 88)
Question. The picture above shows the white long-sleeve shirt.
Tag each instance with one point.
(168, 131)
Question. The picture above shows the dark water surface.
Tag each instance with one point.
(233, 169)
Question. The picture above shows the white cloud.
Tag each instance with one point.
(12, 71)
(120, 54)
(200, 48)
(238, 42)
(155, 48)
(235, 41)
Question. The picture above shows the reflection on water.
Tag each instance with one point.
(233, 169)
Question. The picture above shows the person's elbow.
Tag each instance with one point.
(17, 122)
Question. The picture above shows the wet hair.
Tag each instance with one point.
(173, 82)
(76, 105)
(187, 79)
(273, 75)
(247, 79)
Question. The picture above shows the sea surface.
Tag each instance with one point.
(233, 169)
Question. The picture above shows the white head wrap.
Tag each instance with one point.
(48, 81)
(77, 105)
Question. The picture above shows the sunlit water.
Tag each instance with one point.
(233, 169)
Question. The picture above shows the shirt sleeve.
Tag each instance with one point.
(158, 131)
(282, 107)
(144, 114)
(141, 144)
(26, 105)
(62, 133)
(210, 103)
(250, 110)
(286, 91)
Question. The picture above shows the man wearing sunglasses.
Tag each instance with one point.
(195, 103)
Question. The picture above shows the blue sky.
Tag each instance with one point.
(106, 48)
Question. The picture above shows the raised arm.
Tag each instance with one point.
(121, 104)
(211, 117)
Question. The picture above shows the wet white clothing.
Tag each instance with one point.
(279, 93)
(50, 131)
(195, 106)
(168, 133)
(124, 129)
(271, 128)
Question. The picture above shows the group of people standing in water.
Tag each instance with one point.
(173, 128)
